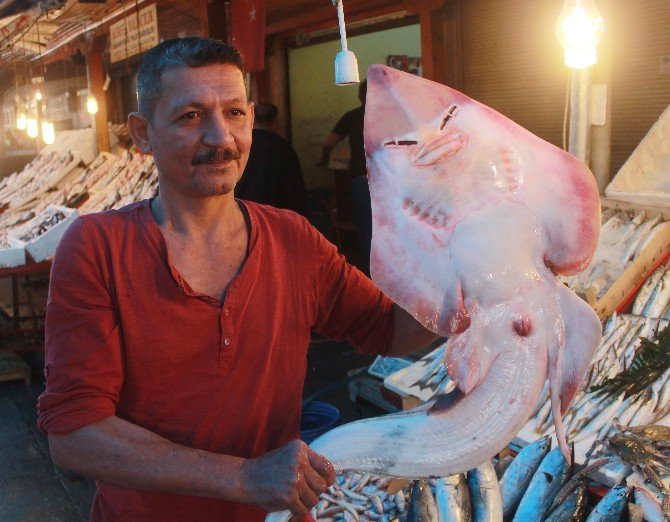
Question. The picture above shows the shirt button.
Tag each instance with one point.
(227, 341)
(226, 312)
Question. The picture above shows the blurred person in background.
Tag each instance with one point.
(351, 125)
(273, 175)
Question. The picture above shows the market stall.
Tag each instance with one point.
(626, 387)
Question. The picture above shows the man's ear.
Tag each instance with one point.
(252, 113)
(138, 126)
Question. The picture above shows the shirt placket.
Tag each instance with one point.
(227, 339)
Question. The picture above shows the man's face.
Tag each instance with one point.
(200, 132)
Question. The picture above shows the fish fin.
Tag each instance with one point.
(440, 311)
(560, 434)
(582, 338)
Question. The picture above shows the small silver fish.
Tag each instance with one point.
(485, 493)
(452, 498)
(422, 506)
(573, 508)
(650, 506)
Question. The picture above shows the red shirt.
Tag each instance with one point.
(127, 336)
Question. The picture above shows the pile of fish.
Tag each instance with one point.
(653, 299)
(591, 415)
(537, 485)
(428, 376)
(647, 450)
(29, 187)
(623, 236)
(41, 224)
(110, 181)
(133, 177)
(361, 496)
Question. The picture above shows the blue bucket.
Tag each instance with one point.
(317, 418)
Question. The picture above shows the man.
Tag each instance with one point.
(273, 175)
(177, 328)
(351, 125)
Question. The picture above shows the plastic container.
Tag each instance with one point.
(317, 418)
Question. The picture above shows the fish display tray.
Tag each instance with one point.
(635, 275)
(43, 247)
(608, 475)
(27, 201)
(13, 256)
(404, 381)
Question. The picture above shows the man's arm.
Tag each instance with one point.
(125, 455)
(408, 334)
(328, 145)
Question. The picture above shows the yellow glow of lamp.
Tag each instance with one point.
(48, 132)
(579, 29)
(31, 127)
(91, 104)
(21, 120)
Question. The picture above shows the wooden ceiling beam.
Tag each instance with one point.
(356, 10)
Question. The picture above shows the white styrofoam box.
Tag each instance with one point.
(645, 177)
(44, 246)
(12, 256)
(82, 142)
(403, 382)
(27, 199)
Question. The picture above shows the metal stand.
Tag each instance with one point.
(580, 125)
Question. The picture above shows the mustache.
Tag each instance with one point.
(215, 156)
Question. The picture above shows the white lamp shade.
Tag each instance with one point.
(346, 68)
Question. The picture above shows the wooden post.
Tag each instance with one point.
(452, 47)
(276, 73)
(213, 19)
(431, 16)
(96, 79)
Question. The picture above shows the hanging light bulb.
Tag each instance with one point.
(48, 132)
(31, 127)
(38, 95)
(91, 104)
(21, 120)
(579, 29)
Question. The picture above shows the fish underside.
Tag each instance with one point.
(473, 219)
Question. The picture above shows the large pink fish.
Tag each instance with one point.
(473, 217)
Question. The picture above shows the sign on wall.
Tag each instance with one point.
(136, 33)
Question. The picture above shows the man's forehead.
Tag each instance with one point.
(192, 82)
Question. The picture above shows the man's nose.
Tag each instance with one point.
(217, 132)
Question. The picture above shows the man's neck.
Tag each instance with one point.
(199, 218)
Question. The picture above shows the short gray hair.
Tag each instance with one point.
(179, 52)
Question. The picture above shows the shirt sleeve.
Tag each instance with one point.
(349, 305)
(83, 345)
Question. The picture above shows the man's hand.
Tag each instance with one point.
(291, 477)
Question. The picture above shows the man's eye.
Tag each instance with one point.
(192, 115)
(237, 112)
